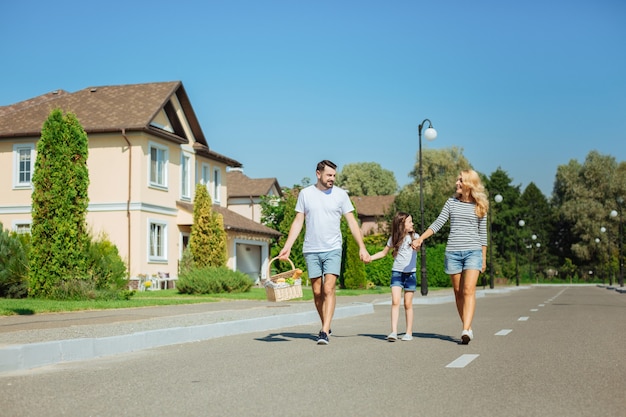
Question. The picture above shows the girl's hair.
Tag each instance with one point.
(398, 232)
(473, 188)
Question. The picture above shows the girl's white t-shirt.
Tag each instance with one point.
(406, 259)
(322, 213)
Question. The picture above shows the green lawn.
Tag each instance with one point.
(28, 306)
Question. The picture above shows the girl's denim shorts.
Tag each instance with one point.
(406, 280)
(458, 261)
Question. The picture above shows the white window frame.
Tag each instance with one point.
(217, 185)
(185, 176)
(22, 227)
(205, 174)
(154, 254)
(18, 148)
(160, 165)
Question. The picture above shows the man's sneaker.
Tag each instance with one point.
(330, 332)
(465, 337)
(322, 338)
(392, 337)
(407, 336)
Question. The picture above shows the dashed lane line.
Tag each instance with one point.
(462, 361)
(504, 332)
(523, 318)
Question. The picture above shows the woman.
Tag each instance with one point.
(466, 249)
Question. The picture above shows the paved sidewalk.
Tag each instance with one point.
(31, 341)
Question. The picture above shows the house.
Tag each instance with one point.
(244, 193)
(146, 153)
(371, 211)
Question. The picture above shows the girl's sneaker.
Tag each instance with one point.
(392, 337)
(407, 337)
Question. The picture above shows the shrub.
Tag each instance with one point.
(106, 267)
(13, 264)
(213, 280)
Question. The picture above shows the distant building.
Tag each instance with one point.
(371, 211)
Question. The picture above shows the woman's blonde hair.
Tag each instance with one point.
(474, 189)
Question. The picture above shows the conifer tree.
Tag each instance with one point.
(353, 275)
(59, 205)
(207, 242)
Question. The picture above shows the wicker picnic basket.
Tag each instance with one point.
(276, 290)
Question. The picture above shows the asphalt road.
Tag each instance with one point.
(542, 351)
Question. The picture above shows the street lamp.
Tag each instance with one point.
(497, 199)
(620, 255)
(608, 261)
(530, 259)
(521, 223)
(430, 134)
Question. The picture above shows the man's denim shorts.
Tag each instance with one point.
(321, 263)
(458, 261)
(406, 280)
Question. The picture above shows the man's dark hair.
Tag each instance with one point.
(325, 163)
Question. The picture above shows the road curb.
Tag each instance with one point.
(34, 355)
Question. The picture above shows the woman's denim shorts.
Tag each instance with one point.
(458, 261)
(406, 280)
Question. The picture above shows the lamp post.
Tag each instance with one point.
(608, 260)
(530, 258)
(497, 199)
(620, 255)
(619, 237)
(430, 134)
(521, 223)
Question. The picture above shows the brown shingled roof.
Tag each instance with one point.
(373, 205)
(240, 185)
(110, 109)
(236, 222)
(107, 108)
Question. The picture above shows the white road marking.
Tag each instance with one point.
(462, 361)
(522, 319)
(534, 309)
(542, 305)
(504, 332)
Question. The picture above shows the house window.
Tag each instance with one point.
(24, 165)
(205, 175)
(157, 241)
(217, 184)
(21, 228)
(185, 174)
(158, 166)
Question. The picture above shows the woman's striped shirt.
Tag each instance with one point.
(467, 230)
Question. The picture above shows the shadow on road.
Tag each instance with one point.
(443, 337)
(285, 336)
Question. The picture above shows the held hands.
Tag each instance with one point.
(365, 256)
(416, 243)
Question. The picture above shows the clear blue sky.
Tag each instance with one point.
(279, 85)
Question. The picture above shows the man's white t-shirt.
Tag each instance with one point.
(322, 213)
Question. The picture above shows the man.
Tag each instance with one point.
(321, 206)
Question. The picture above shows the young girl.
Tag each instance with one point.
(402, 271)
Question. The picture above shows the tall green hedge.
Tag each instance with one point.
(207, 242)
(59, 200)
